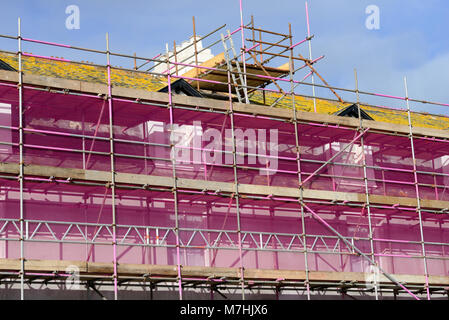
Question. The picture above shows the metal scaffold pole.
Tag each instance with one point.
(365, 178)
(112, 184)
(243, 50)
(418, 199)
(175, 183)
(21, 164)
(310, 56)
(298, 161)
(195, 53)
(236, 193)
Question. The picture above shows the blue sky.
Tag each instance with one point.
(412, 40)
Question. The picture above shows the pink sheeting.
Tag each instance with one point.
(271, 229)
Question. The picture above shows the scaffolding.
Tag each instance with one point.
(94, 185)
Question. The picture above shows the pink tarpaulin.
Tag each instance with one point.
(73, 221)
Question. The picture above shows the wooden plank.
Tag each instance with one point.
(160, 181)
(214, 62)
(42, 265)
(252, 79)
(100, 268)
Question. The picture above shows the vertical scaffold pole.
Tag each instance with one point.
(83, 139)
(310, 55)
(418, 200)
(21, 173)
(111, 145)
(298, 161)
(365, 178)
(253, 33)
(176, 58)
(196, 53)
(236, 186)
(175, 182)
(243, 50)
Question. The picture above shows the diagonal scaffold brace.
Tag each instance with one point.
(334, 156)
(349, 244)
(307, 62)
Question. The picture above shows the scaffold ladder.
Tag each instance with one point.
(240, 89)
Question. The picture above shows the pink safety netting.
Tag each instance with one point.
(73, 222)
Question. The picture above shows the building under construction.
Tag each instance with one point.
(109, 188)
